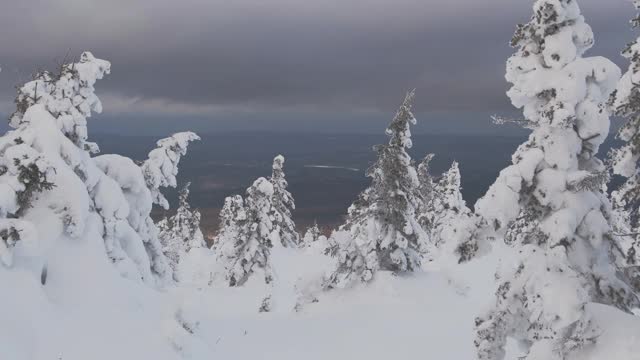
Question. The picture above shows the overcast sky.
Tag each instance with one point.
(326, 65)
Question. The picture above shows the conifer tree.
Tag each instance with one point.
(384, 233)
(625, 102)
(46, 165)
(181, 232)
(451, 215)
(45, 153)
(283, 205)
(427, 194)
(232, 217)
(244, 243)
(549, 205)
(312, 235)
(140, 186)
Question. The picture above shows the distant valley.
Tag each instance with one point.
(325, 172)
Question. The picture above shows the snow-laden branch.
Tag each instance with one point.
(161, 168)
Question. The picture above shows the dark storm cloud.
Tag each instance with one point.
(203, 57)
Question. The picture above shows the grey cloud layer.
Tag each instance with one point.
(327, 55)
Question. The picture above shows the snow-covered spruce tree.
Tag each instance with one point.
(451, 216)
(625, 102)
(283, 205)
(54, 191)
(427, 194)
(45, 155)
(312, 235)
(140, 187)
(181, 232)
(550, 205)
(443, 213)
(384, 233)
(244, 243)
(232, 218)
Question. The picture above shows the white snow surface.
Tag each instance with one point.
(430, 312)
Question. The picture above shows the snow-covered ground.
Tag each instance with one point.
(96, 314)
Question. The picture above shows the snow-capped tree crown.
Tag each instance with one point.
(428, 195)
(382, 224)
(399, 129)
(232, 218)
(181, 232)
(312, 234)
(232, 211)
(161, 168)
(394, 194)
(187, 220)
(283, 206)
(46, 169)
(244, 241)
(46, 156)
(549, 205)
(68, 95)
(277, 174)
(562, 94)
(449, 189)
(394, 179)
(625, 102)
(443, 214)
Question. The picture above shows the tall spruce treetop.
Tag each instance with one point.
(384, 233)
(232, 217)
(449, 189)
(427, 193)
(283, 205)
(625, 102)
(550, 203)
(186, 221)
(181, 232)
(244, 244)
(450, 212)
(444, 215)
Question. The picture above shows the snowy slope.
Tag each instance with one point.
(430, 314)
(86, 311)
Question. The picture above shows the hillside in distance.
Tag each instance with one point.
(325, 172)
